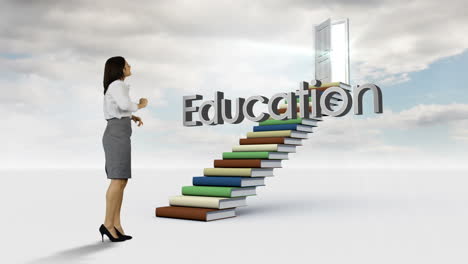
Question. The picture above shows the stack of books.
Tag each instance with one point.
(222, 189)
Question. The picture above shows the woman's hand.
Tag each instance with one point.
(137, 119)
(143, 103)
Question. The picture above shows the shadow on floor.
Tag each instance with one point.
(299, 205)
(75, 255)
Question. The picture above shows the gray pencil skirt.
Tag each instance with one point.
(117, 148)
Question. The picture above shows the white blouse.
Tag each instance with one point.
(117, 102)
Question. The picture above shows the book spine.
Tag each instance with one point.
(217, 181)
(278, 133)
(257, 148)
(238, 163)
(227, 172)
(281, 122)
(246, 155)
(194, 201)
(181, 212)
(207, 191)
(275, 127)
(265, 140)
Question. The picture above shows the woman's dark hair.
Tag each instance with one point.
(113, 70)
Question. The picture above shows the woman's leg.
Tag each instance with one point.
(117, 222)
(112, 199)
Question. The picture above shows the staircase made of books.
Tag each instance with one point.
(236, 176)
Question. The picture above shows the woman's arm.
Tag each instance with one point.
(122, 98)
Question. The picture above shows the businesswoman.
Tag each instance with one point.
(116, 141)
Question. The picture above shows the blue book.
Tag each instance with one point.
(228, 181)
(297, 127)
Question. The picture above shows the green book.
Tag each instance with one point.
(312, 121)
(218, 191)
(255, 155)
(279, 122)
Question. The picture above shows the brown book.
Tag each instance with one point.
(194, 213)
(265, 140)
(271, 140)
(247, 163)
(283, 110)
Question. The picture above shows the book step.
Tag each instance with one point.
(222, 189)
(271, 140)
(241, 172)
(219, 191)
(207, 201)
(311, 121)
(228, 181)
(246, 163)
(194, 213)
(264, 147)
(256, 155)
(278, 133)
(296, 127)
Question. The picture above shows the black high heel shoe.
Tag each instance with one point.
(122, 235)
(103, 230)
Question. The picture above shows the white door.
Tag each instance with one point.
(323, 51)
(340, 51)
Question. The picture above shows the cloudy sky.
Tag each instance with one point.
(52, 56)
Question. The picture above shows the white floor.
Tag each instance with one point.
(313, 216)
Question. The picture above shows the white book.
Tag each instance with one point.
(240, 172)
(207, 201)
(265, 147)
(277, 133)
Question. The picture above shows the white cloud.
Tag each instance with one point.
(175, 44)
(361, 142)
(53, 95)
(459, 130)
(424, 115)
(348, 141)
